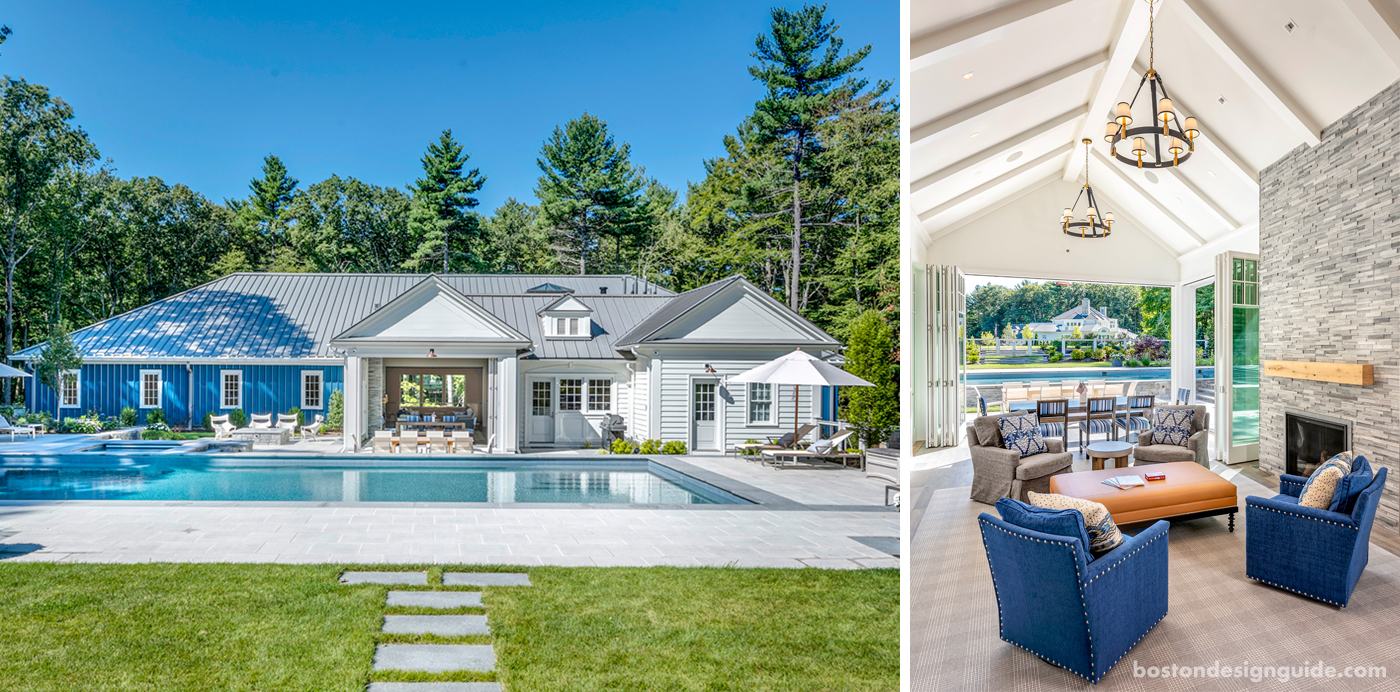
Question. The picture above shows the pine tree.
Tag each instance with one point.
(872, 411)
(801, 64)
(588, 190)
(441, 218)
(263, 218)
(516, 243)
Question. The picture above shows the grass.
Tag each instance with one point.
(1031, 366)
(294, 627)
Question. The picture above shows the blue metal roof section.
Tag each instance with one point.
(283, 316)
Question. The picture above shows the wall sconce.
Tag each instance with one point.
(432, 353)
(709, 369)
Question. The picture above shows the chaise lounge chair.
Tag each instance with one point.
(13, 430)
(824, 451)
(785, 441)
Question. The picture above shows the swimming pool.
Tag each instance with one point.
(337, 480)
(984, 377)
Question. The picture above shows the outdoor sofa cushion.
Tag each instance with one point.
(1103, 533)
(1172, 426)
(1022, 434)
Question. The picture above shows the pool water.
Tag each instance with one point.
(627, 482)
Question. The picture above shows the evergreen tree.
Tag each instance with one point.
(588, 190)
(801, 65)
(516, 243)
(441, 220)
(872, 411)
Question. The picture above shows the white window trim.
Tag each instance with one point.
(223, 403)
(141, 389)
(321, 375)
(587, 394)
(577, 326)
(772, 404)
(77, 385)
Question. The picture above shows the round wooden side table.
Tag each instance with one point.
(1108, 449)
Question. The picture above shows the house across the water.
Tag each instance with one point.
(537, 361)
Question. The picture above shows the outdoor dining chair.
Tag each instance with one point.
(384, 441)
(1098, 418)
(1053, 416)
(1096, 387)
(1138, 418)
(437, 442)
(1183, 397)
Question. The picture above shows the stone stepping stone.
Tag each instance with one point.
(435, 658)
(484, 579)
(405, 578)
(434, 687)
(442, 625)
(435, 599)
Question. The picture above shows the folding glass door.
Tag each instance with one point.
(1237, 357)
(947, 353)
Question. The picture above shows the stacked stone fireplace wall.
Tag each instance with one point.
(1329, 237)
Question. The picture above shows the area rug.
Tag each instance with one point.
(1215, 616)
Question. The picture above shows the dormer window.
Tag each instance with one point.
(567, 318)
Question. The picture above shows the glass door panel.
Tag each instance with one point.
(1237, 358)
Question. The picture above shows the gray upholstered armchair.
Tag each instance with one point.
(1195, 449)
(998, 472)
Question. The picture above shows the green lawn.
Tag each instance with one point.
(1061, 364)
(293, 627)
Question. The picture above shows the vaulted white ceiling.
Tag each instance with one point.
(1046, 73)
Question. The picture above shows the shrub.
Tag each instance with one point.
(673, 447)
(1078, 354)
(650, 447)
(300, 414)
(208, 420)
(154, 416)
(110, 423)
(237, 418)
(623, 447)
(1055, 358)
(335, 411)
(128, 417)
(973, 353)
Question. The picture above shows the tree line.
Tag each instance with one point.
(803, 202)
(1143, 310)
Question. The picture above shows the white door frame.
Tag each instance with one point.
(690, 411)
(530, 381)
(1226, 450)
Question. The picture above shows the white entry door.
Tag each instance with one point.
(542, 411)
(570, 426)
(704, 424)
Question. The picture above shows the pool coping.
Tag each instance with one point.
(758, 499)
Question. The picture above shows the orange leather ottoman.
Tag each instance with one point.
(1190, 491)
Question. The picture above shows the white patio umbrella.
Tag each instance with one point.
(7, 371)
(799, 368)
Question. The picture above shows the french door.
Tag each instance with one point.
(704, 426)
(947, 355)
(1237, 357)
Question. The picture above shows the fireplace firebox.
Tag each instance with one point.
(1311, 439)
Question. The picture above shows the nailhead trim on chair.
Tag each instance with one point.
(1300, 593)
(1304, 516)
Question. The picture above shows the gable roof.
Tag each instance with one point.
(797, 330)
(566, 303)
(1082, 311)
(431, 311)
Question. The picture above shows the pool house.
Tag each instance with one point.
(524, 361)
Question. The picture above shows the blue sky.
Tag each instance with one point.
(198, 93)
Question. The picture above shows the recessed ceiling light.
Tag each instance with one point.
(1151, 177)
(1210, 173)
(1290, 26)
(967, 77)
(1014, 156)
(974, 136)
(1220, 100)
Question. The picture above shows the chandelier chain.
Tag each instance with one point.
(1151, 43)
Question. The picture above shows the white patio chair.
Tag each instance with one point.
(13, 430)
(384, 442)
(261, 421)
(462, 442)
(437, 442)
(288, 421)
(222, 427)
(313, 432)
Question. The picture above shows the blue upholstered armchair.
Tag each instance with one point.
(1078, 613)
(1312, 552)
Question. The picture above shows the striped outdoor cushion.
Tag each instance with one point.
(1052, 429)
(1134, 423)
(1097, 425)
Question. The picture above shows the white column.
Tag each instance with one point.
(1183, 333)
(508, 437)
(354, 403)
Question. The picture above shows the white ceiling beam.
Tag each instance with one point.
(1127, 43)
(928, 133)
(1215, 209)
(1250, 70)
(984, 211)
(1132, 185)
(995, 182)
(988, 27)
(1380, 24)
(999, 150)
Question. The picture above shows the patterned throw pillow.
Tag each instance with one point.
(1021, 433)
(1172, 426)
(1103, 533)
(1342, 462)
(1321, 486)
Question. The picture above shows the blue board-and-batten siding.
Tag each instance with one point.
(108, 387)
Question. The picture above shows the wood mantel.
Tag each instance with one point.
(1341, 373)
